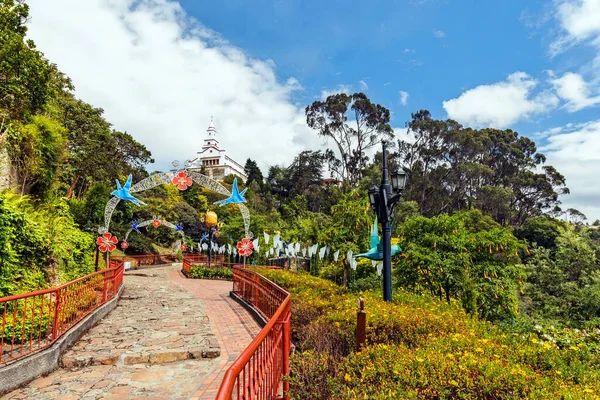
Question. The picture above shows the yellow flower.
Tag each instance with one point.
(348, 378)
(479, 350)
(534, 340)
(547, 345)
(419, 359)
(453, 382)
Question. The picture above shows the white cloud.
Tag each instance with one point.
(439, 34)
(579, 21)
(574, 150)
(159, 75)
(339, 89)
(407, 51)
(364, 85)
(404, 97)
(500, 104)
(387, 84)
(575, 91)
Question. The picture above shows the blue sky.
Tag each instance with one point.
(160, 68)
(392, 46)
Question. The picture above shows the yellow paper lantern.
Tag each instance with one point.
(211, 219)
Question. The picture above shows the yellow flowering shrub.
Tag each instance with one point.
(419, 347)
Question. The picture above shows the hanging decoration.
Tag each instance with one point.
(123, 192)
(134, 226)
(156, 223)
(107, 242)
(376, 250)
(183, 247)
(245, 247)
(267, 236)
(336, 255)
(236, 197)
(379, 268)
(124, 245)
(182, 181)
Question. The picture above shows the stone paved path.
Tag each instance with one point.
(157, 344)
(233, 325)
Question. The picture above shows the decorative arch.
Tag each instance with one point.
(183, 179)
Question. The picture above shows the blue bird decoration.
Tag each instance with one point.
(178, 227)
(376, 251)
(134, 226)
(235, 197)
(123, 192)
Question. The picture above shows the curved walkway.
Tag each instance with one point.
(232, 324)
(159, 343)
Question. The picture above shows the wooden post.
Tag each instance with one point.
(361, 324)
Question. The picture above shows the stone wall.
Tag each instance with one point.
(5, 169)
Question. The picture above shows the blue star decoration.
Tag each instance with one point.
(123, 192)
(178, 227)
(235, 197)
(134, 226)
(205, 236)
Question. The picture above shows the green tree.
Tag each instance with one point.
(355, 124)
(452, 168)
(466, 256)
(254, 173)
(24, 72)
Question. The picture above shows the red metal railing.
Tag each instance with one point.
(147, 259)
(257, 373)
(33, 321)
(201, 259)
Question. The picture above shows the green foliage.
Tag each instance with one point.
(330, 119)
(39, 247)
(213, 272)
(542, 231)
(453, 168)
(24, 72)
(36, 149)
(562, 287)
(466, 256)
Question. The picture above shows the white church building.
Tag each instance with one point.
(215, 161)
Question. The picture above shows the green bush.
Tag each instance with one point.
(213, 272)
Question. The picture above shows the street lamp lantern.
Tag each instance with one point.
(373, 196)
(398, 180)
(383, 203)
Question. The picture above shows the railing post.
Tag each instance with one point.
(105, 287)
(255, 290)
(55, 324)
(361, 324)
(287, 340)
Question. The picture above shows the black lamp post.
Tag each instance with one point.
(383, 203)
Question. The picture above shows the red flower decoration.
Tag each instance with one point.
(183, 247)
(182, 181)
(124, 245)
(245, 247)
(107, 242)
(216, 233)
(156, 223)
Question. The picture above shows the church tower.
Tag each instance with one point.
(214, 159)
